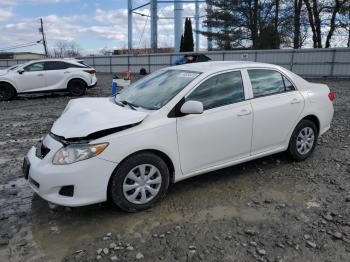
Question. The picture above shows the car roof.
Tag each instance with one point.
(57, 60)
(217, 66)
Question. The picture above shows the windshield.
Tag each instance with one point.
(157, 89)
(13, 67)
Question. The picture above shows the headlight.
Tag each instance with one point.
(77, 152)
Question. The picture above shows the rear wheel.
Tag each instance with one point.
(139, 182)
(77, 87)
(7, 92)
(303, 140)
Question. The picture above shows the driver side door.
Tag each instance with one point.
(32, 78)
(223, 132)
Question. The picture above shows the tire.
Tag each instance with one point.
(77, 87)
(123, 186)
(7, 92)
(303, 140)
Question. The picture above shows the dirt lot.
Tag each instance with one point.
(271, 209)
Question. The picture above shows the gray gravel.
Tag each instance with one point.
(272, 209)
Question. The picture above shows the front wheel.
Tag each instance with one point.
(303, 140)
(139, 182)
(7, 92)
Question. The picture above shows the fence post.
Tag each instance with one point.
(292, 61)
(128, 62)
(170, 59)
(110, 64)
(256, 56)
(149, 63)
(223, 56)
(333, 62)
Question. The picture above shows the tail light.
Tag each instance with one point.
(331, 96)
(90, 71)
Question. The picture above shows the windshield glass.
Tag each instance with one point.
(157, 89)
(13, 67)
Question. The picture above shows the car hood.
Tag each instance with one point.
(85, 116)
(3, 72)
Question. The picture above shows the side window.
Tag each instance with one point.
(219, 90)
(288, 85)
(55, 65)
(34, 67)
(268, 82)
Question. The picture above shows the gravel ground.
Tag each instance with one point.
(272, 209)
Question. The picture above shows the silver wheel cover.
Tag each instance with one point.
(305, 140)
(142, 184)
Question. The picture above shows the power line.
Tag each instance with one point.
(20, 46)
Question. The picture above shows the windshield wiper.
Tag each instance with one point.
(131, 105)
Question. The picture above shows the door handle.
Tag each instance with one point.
(40, 75)
(244, 112)
(295, 101)
(66, 72)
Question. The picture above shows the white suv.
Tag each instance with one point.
(49, 75)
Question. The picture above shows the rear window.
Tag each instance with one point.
(83, 63)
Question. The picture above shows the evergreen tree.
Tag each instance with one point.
(182, 44)
(188, 43)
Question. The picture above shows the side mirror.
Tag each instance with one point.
(20, 71)
(192, 107)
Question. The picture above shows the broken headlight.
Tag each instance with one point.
(77, 152)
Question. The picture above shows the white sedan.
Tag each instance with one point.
(176, 123)
(48, 75)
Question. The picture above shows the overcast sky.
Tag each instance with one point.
(93, 25)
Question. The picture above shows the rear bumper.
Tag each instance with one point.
(92, 86)
(93, 82)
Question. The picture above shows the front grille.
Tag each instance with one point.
(41, 150)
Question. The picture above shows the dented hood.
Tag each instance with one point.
(3, 72)
(85, 116)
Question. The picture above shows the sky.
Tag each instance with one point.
(93, 25)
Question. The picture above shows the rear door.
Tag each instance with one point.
(276, 105)
(56, 74)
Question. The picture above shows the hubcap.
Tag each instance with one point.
(142, 184)
(305, 140)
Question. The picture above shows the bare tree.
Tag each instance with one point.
(317, 13)
(105, 51)
(65, 49)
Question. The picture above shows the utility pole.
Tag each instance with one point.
(129, 26)
(154, 29)
(41, 30)
(178, 24)
(196, 18)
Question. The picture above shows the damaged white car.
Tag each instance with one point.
(174, 124)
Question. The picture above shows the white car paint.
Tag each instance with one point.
(82, 117)
(47, 80)
(195, 144)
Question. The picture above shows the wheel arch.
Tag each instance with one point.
(156, 152)
(8, 83)
(313, 118)
(77, 78)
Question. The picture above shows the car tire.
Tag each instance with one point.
(303, 140)
(77, 87)
(129, 189)
(7, 92)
